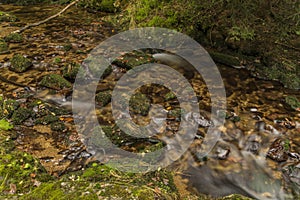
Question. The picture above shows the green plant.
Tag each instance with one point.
(244, 33)
(5, 125)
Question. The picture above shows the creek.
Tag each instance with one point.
(257, 154)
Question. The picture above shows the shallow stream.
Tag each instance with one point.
(257, 155)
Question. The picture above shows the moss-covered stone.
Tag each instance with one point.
(7, 107)
(169, 96)
(71, 70)
(133, 59)
(48, 119)
(21, 115)
(103, 98)
(14, 38)
(139, 104)
(55, 81)
(46, 191)
(19, 63)
(3, 46)
(17, 168)
(293, 102)
(58, 126)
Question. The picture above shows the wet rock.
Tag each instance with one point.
(7, 107)
(169, 96)
(293, 102)
(58, 126)
(21, 115)
(279, 150)
(222, 152)
(131, 60)
(14, 38)
(19, 63)
(48, 119)
(103, 98)
(253, 143)
(139, 104)
(3, 46)
(55, 81)
(71, 70)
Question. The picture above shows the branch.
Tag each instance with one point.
(49, 18)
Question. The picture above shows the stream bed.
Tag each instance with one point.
(257, 155)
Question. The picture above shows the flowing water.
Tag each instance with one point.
(257, 154)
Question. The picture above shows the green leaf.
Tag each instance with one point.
(5, 125)
(297, 32)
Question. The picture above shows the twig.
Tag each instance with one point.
(288, 46)
(49, 18)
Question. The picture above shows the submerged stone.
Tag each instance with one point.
(3, 46)
(19, 63)
(103, 98)
(55, 81)
(21, 115)
(71, 70)
(139, 104)
(14, 38)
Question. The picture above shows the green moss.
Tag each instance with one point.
(139, 104)
(67, 47)
(96, 68)
(19, 63)
(104, 5)
(103, 98)
(48, 119)
(14, 38)
(57, 60)
(3, 46)
(5, 125)
(71, 70)
(58, 126)
(49, 191)
(169, 96)
(177, 112)
(7, 107)
(21, 115)
(241, 33)
(55, 81)
(6, 17)
(293, 102)
(133, 59)
(16, 167)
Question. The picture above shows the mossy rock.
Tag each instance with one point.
(48, 119)
(46, 191)
(55, 81)
(133, 59)
(293, 102)
(17, 168)
(96, 68)
(6, 17)
(58, 126)
(14, 38)
(169, 96)
(71, 70)
(139, 104)
(3, 46)
(20, 115)
(19, 63)
(7, 107)
(103, 98)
